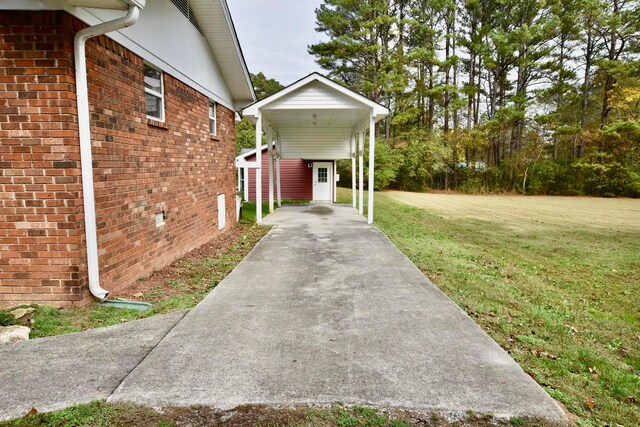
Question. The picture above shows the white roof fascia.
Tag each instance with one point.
(226, 48)
(59, 4)
(31, 5)
(236, 43)
(379, 111)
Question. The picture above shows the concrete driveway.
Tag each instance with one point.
(324, 309)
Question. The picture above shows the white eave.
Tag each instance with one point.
(215, 22)
(217, 26)
(379, 111)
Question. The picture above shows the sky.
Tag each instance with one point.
(274, 35)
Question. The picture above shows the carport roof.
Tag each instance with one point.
(314, 118)
(345, 99)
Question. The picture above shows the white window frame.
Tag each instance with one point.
(155, 93)
(213, 118)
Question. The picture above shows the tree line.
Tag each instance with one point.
(535, 96)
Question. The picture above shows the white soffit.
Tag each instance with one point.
(217, 27)
(316, 118)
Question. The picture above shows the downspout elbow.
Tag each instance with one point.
(84, 134)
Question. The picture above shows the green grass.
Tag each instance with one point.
(564, 304)
(99, 414)
(191, 279)
(249, 209)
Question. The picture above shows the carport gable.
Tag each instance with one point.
(315, 118)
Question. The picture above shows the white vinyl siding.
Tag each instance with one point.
(154, 92)
(315, 143)
(187, 57)
(314, 95)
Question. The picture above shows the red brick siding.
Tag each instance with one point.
(40, 208)
(295, 179)
(140, 167)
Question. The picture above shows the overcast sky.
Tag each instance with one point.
(274, 35)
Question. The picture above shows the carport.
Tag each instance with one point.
(319, 120)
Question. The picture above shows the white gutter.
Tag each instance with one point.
(84, 131)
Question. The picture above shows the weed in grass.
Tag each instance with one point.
(6, 318)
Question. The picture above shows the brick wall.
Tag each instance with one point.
(40, 208)
(141, 167)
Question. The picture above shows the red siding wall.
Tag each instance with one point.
(295, 179)
(140, 167)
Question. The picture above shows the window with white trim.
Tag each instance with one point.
(154, 92)
(213, 124)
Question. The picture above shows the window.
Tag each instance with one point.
(154, 93)
(213, 127)
(323, 175)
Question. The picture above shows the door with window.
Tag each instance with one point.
(322, 181)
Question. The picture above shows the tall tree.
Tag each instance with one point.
(264, 86)
(537, 95)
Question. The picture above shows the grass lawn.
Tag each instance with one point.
(555, 281)
(177, 287)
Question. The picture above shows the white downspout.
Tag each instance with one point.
(84, 131)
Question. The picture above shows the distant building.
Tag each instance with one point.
(296, 176)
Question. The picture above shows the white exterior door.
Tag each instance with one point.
(322, 181)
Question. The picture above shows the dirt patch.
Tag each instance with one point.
(333, 415)
(126, 414)
(236, 238)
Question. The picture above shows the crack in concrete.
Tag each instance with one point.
(144, 357)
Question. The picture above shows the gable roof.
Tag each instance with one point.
(379, 111)
(250, 152)
(217, 27)
(215, 24)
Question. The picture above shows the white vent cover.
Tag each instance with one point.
(222, 212)
(185, 8)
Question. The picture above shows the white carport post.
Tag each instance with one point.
(270, 157)
(353, 170)
(259, 168)
(361, 172)
(278, 188)
(335, 181)
(245, 175)
(372, 154)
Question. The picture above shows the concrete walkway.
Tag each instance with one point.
(324, 309)
(55, 372)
